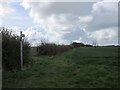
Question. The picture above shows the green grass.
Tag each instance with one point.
(84, 67)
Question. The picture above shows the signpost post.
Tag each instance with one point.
(21, 49)
(95, 43)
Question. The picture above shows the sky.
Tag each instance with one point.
(62, 22)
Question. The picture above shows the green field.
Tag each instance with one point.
(84, 67)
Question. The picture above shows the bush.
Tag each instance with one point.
(11, 51)
(51, 49)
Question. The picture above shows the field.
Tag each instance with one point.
(84, 67)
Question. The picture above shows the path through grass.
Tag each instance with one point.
(77, 68)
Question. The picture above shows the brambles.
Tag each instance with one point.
(51, 49)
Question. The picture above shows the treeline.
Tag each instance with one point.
(11, 51)
(52, 49)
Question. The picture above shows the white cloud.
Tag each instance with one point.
(33, 34)
(36, 34)
(4, 10)
(15, 30)
(106, 36)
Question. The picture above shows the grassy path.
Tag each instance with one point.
(81, 67)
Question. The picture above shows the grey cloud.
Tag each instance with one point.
(104, 16)
(75, 34)
(78, 8)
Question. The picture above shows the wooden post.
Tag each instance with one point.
(21, 50)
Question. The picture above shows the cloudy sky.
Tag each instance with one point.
(62, 22)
